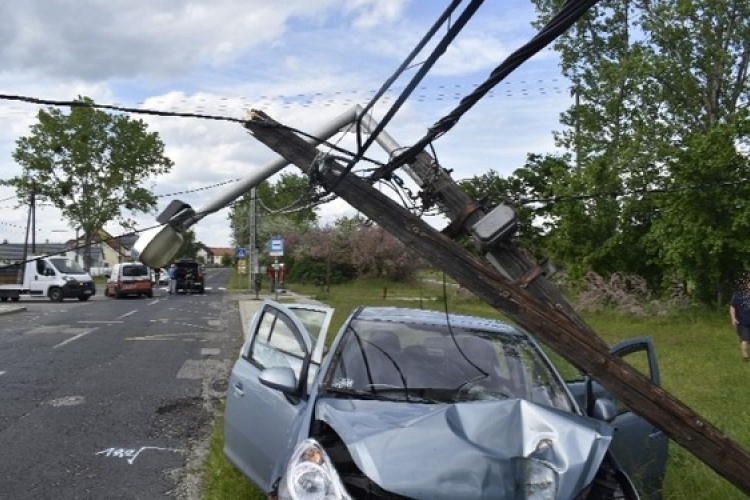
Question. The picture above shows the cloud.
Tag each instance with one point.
(303, 62)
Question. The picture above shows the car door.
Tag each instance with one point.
(639, 447)
(259, 420)
(43, 276)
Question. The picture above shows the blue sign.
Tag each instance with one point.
(240, 253)
(276, 247)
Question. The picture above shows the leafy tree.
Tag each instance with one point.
(659, 89)
(90, 164)
(189, 246)
(283, 208)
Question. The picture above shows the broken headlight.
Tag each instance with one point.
(310, 475)
(537, 480)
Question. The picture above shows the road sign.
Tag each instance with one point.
(276, 247)
(240, 253)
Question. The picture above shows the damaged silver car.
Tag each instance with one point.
(415, 404)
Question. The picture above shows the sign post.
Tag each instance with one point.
(276, 250)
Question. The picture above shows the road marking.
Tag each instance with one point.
(2, 372)
(105, 322)
(127, 314)
(67, 401)
(71, 339)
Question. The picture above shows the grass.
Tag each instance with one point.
(699, 361)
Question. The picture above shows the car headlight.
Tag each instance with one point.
(537, 480)
(310, 475)
(69, 279)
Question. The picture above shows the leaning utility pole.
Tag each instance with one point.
(519, 290)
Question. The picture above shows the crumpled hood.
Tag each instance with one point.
(465, 450)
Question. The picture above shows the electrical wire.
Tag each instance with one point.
(437, 52)
(571, 11)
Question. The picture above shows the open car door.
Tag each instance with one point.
(258, 419)
(639, 448)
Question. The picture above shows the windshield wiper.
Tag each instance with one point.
(378, 394)
(360, 394)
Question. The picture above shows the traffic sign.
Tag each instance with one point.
(276, 247)
(240, 253)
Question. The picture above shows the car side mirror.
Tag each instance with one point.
(604, 409)
(49, 272)
(280, 378)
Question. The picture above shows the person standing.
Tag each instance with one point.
(172, 280)
(739, 312)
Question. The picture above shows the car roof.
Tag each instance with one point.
(436, 318)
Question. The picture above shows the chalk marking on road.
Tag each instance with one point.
(67, 401)
(131, 453)
(127, 314)
(71, 339)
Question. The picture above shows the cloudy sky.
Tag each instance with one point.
(303, 62)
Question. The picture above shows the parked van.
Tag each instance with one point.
(129, 278)
(55, 277)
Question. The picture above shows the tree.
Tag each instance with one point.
(659, 88)
(284, 208)
(189, 246)
(90, 165)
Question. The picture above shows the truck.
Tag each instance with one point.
(54, 277)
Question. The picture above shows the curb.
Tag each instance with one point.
(11, 309)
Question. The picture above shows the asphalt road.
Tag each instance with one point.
(111, 399)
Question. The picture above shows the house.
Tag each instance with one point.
(203, 253)
(220, 253)
(105, 251)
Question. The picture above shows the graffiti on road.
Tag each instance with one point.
(132, 453)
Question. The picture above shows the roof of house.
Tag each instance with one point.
(15, 251)
(222, 251)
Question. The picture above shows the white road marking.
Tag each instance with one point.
(68, 401)
(105, 322)
(128, 314)
(71, 339)
(2, 372)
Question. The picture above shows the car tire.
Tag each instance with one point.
(15, 298)
(83, 298)
(150, 294)
(55, 294)
(200, 290)
(4, 299)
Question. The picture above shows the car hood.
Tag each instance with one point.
(465, 450)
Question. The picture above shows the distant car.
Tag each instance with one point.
(189, 276)
(163, 276)
(130, 278)
(419, 404)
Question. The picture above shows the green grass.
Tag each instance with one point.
(698, 353)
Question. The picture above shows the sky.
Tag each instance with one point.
(303, 62)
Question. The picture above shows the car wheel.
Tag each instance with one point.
(150, 294)
(55, 295)
(83, 298)
(4, 299)
(15, 298)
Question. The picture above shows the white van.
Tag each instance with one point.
(129, 278)
(55, 277)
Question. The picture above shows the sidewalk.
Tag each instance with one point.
(11, 308)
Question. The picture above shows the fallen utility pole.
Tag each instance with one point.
(543, 315)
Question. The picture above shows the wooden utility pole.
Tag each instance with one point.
(528, 300)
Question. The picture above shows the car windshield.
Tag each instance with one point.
(429, 363)
(67, 266)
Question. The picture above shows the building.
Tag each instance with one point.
(220, 253)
